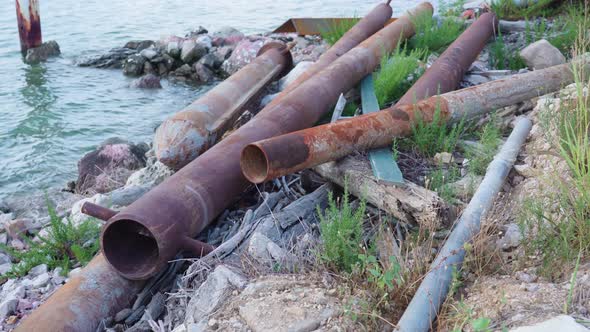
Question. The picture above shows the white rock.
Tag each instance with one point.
(541, 54)
(8, 286)
(74, 272)
(257, 247)
(149, 53)
(38, 270)
(525, 170)
(205, 40)
(192, 51)
(299, 69)
(443, 157)
(5, 268)
(41, 280)
(4, 258)
(149, 176)
(5, 218)
(267, 99)
(562, 323)
(512, 237)
(7, 307)
(212, 293)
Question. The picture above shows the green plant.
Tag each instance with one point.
(439, 181)
(568, 27)
(502, 58)
(337, 29)
(435, 136)
(64, 245)
(507, 9)
(342, 233)
(379, 275)
(570, 294)
(432, 35)
(479, 157)
(398, 71)
(452, 9)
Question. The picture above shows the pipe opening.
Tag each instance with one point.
(254, 164)
(130, 248)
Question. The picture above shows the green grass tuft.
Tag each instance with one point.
(489, 139)
(507, 10)
(341, 230)
(64, 246)
(439, 181)
(435, 136)
(503, 58)
(397, 73)
(432, 36)
(337, 29)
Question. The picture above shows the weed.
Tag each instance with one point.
(341, 231)
(570, 294)
(439, 181)
(453, 9)
(432, 35)
(379, 275)
(435, 136)
(502, 58)
(397, 73)
(507, 9)
(64, 245)
(337, 29)
(566, 29)
(479, 157)
(350, 109)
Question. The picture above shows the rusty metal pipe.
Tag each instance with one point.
(447, 71)
(307, 148)
(97, 211)
(188, 133)
(140, 239)
(29, 24)
(271, 158)
(95, 293)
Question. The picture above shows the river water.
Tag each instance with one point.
(51, 114)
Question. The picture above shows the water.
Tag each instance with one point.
(53, 113)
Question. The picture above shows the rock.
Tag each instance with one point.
(466, 186)
(5, 268)
(213, 292)
(511, 239)
(267, 99)
(7, 307)
(443, 158)
(242, 55)
(184, 70)
(5, 219)
(56, 277)
(541, 54)
(149, 53)
(192, 51)
(109, 166)
(153, 174)
(210, 61)
(223, 53)
(204, 40)
(122, 315)
(227, 36)
(74, 272)
(525, 277)
(173, 49)
(139, 45)
(16, 229)
(558, 323)
(299, 69)
(33, 208)
(43, 52)
(142, 326)
(149, 81)
(203, 73)
(257, 247)
(133, 65)
(525, 170)
(198, 31)
(41, 280)
(38, 270)
(4, 258)
(112, 59)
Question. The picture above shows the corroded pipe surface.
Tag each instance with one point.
(98, 291)
(447, 71)
(190, 132)
(140, 239)
(307, 148)
(29, 24)
(97, 211)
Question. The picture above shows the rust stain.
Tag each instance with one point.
(29, 26)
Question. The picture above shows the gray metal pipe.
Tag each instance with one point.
(433, 290)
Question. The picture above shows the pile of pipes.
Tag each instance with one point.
(140, 240)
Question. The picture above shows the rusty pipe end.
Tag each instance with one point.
(131, 248)
(284, 50)
(178, 141)
(254, 164)
(97, 211)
